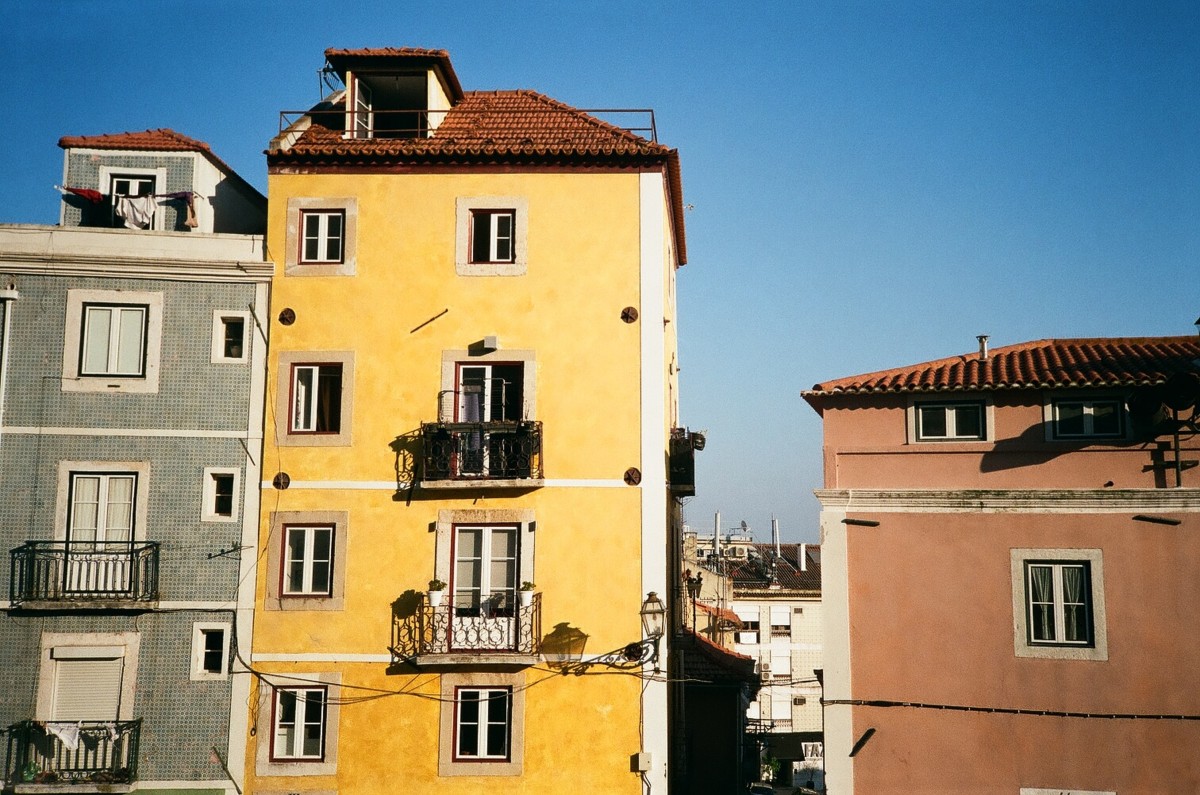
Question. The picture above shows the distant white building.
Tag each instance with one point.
(776, 596)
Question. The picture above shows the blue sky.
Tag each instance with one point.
(872, 183)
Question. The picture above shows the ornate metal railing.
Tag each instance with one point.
(84, 570)
(87, 752)
(497, 624)
(481, 450)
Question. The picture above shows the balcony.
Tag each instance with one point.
(95, 574)
(505, 454)
(73, 753)
(498, 629)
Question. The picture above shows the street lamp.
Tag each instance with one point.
(632, 655)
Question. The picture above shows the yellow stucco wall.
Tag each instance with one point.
(584, 250)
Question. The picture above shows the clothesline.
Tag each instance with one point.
(138, 211)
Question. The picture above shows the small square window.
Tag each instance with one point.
(323, 236)
(308, 561)
(114, 341)
(492, 236)
(1079, 419)
(482, 724)
(210, 651)
(950, 421)
(299, 724)
(316, 398)
(221, 494)
(230, 337)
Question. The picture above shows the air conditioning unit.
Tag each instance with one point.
(765, 671)
(799, 701)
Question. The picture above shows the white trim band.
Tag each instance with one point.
(1010, 500)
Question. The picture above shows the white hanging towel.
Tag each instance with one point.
(138, 211)
(68, 733)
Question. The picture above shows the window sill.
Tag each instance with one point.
(86, 604)
(485, 483)
(475, 659)
(79, 787)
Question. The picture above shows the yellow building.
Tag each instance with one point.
(472, 381)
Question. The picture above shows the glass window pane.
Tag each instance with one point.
(234, 336)
(85, 508)
(302, 390)
(968, 422)
(97, 324)
(1069, 419)
(329, 399)
(129, 343)
(1106, 419)
(333, 246)
(481, 237)
(933, 421)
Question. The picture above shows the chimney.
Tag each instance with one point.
(775, 536)
(983, 351)
(804, 557)
(717, 535)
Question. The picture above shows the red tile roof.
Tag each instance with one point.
(713, 663)
(519, 127)
(369, 58)
(723, 613)
(1099, 362)
(754, 573)
(160, 140)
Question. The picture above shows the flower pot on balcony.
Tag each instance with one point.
(436, 598)
(525, 595)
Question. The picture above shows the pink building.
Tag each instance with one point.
(1011, 564)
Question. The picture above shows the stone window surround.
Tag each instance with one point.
(198, 673)
(130, 643)
(340, 521)
(218, 336)
(989, 419)
(263, 766)
(72, 381)
(447, 519)
(141, 497)
(515, 765)
(292, 266)
(208, 506)
(283, 399)
(452, 359)
(464, 206)
(1098, 651)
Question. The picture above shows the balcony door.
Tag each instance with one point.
(487, 393)
(486, 562)
(100, 533)
(82, 734)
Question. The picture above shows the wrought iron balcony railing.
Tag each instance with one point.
(68, 571)
(466, 624)
(86, 753)
(466, 451)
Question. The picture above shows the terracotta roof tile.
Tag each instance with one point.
(160, 140)
(517, 127)
(715, 663)
(755, 574)
(1099, 362)
(723, 613)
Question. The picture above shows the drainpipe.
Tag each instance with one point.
(717, 536)
(775, 536)
(7, 296)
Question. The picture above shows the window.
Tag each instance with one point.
(315, 397)
(781, 621)
(323, 235)
(482, 725)
(1059, 599)
(950, 421)
(220, 494)
(306, 560)
(101, 507)
(492, 235)
(1058, 603)
(113, 340)
(299, 724)
(1075, 419)
(230, 341)
(132, 198)
(748, 633)
(210, 651)
(87, 676)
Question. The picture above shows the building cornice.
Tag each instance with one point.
(1009, 500)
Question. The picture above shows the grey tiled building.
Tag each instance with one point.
(131, 397)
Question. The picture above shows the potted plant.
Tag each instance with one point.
(525, 595)
(437, 592)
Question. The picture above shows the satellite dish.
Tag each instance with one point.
(1182, 391)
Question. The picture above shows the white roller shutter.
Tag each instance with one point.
(87, 689)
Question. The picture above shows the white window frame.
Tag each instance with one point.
(449, 763)
(78, 302)
(308, 561)
(208, 511)
(466, 207)
(1023, 646)
(293, 262)
(916, 432)
(217, 353)
(323, 237)
(304, 708)
(104, 505)
(483, 697)
(1058, 601)
(277, 561)
(498, 241)
(159, 177)
(268, 765)
(120, 317)
(1052, 404)
(285, 434)
(199, 633)
(454, 360)
(305, 421)
(67, 470)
